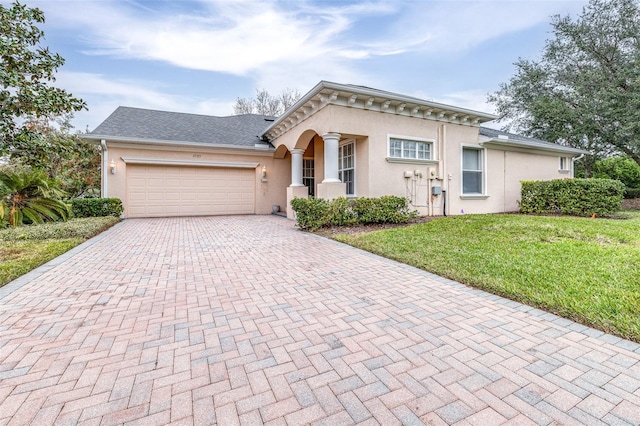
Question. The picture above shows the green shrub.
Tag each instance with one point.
(84, 228)
(341, 212)
(314, 213)
(311, 213)
(96, 207)
(623, 169)
(577, 197)
(632, 193)
(386, 209)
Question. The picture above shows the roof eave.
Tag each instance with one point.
(534, 145)
(355, 91)
(145, 141)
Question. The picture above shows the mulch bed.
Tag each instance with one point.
(628, 204)
(631, 204)
(358, 229)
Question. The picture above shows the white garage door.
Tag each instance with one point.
(158, 191)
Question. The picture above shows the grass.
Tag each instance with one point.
(583, 269)
(26, 247)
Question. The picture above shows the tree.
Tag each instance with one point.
(28, 194)
(26, 73)
(585, 90)
(619, 168)
(266, 104)
(62, 156)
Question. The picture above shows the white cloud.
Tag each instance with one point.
(448, 26)
(276, 44)
(471, 99)
(104, 94)
(246, 37)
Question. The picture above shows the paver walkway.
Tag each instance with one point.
(246, 320)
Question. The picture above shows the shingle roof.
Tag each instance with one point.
(525, 141)
(145, 124)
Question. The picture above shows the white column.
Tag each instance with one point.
(105, 169)
(331, 141)
(296, 167)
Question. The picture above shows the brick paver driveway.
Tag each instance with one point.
(247, 320)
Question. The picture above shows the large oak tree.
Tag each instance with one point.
(27, 71)
(584, 91)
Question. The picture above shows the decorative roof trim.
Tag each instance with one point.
(359, 97)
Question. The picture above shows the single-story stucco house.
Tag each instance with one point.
(337, 140)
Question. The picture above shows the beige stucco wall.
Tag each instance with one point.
(377, 176)
(270, 192)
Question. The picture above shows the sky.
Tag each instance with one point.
(200, 56)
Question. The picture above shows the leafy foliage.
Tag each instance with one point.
(26, 72)
(266, 104)
(585, 90)
(73, 162)
(311, 213)
(632, 193)
(315, 213)
(386, 209)
(623, 169)
(96, 207)
(577, 197)
(84, 228)
(29, 196)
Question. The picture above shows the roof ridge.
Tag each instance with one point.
(191, 113)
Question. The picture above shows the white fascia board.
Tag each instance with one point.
(172, 143)
(533, 146)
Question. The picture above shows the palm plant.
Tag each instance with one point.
(26, 194)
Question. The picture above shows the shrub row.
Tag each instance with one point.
(84, 228)
(632, 193)
(96, 207)
(314, 213)
(578, 197)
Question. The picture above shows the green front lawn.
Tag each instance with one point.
(26, 247)
(587, 270)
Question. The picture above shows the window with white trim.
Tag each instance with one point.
(472, 171)
(564, 164)
(409, 149)
(308, 175)
(347, 166)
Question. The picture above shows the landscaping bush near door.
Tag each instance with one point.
(96, 207)
(576, 197)
(315, 213)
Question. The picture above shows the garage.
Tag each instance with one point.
(167, 190)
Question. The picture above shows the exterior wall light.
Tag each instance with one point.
(112, 167)
(264, 172)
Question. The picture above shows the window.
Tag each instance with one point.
(412, 150)
(347, 166)
(564, 164)
(308, 175)
(472, 171)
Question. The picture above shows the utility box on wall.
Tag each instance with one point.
(436, 190)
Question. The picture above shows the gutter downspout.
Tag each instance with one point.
(105, 168)
(444, 176)
(573, 160)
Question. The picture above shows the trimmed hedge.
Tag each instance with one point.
(315, 213)
(96, 207)
(577, 197)
(632, 193)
